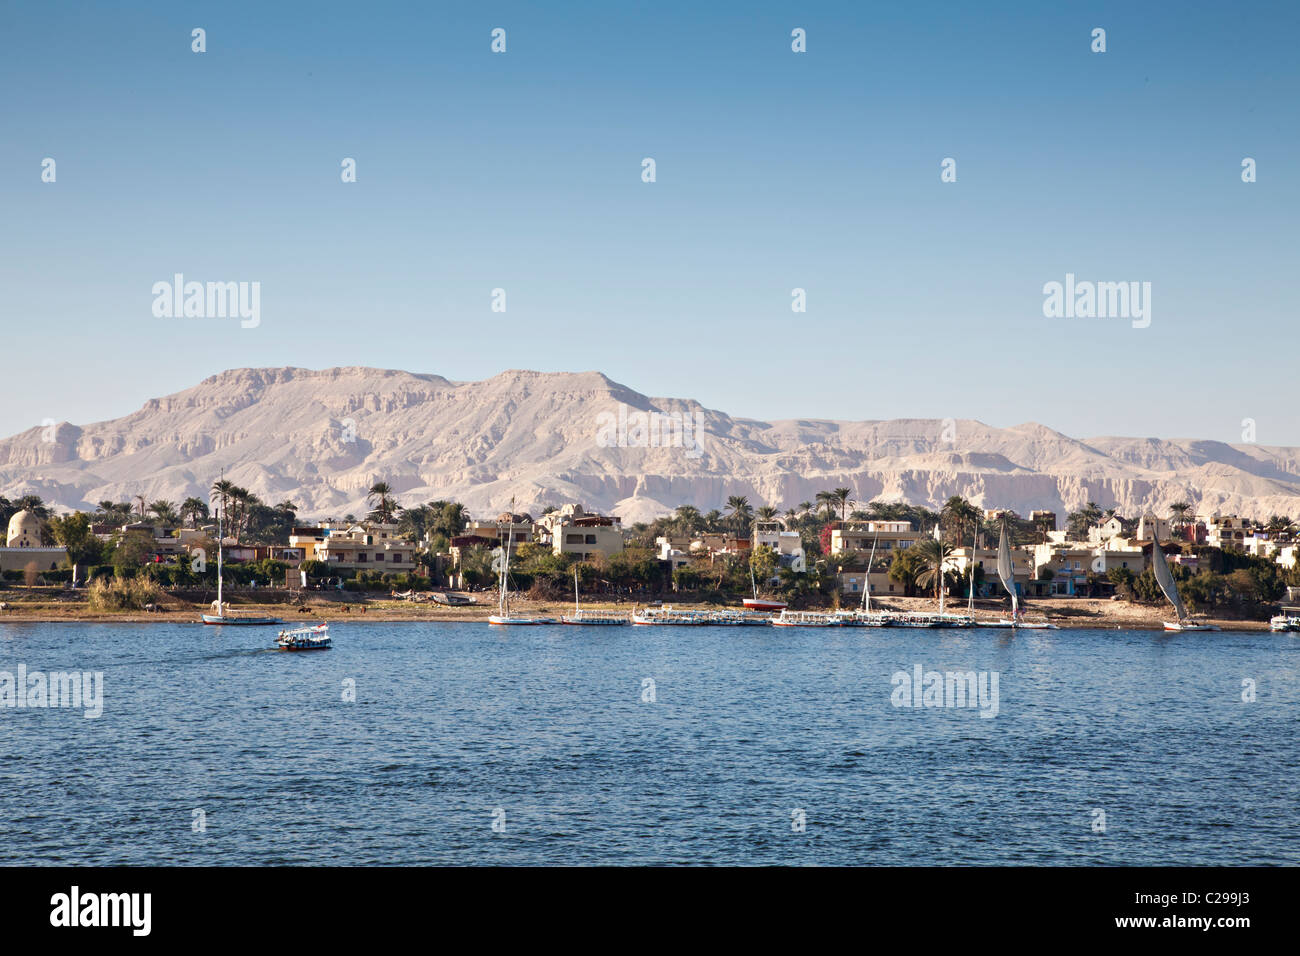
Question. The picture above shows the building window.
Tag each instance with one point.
(379, 556)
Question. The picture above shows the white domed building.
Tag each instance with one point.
(25, 547)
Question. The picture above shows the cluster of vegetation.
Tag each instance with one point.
(1225, 578)
(123, 594)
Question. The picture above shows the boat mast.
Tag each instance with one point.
(575, 589)
(221, 610)
(505, 563)
(866, 588)
(970, 588)
(938, 536)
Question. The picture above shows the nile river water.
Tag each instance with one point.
(619, 745)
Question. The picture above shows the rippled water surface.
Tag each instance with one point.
(548, 725)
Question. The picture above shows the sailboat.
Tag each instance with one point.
(943, 619)
(756, 603)
(864, 617)
(503, 616)
(1006, 574)
(1165, 578)
(223, 616)
(580, 616)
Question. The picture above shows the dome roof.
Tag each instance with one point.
(24, 524)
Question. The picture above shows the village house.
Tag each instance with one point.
(859, 537)
(572, 530)
(788, 545)
(1150, 526)
(1226, 531)
(1110, 528)
(362, 546)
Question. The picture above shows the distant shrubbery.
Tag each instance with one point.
(123, 594)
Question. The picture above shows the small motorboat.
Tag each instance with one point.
(1288, 620)
(313, 638)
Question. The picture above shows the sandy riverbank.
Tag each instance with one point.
(34, 606)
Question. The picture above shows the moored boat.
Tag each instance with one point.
(501, 563)
(788, 618)
(222, 609)
(582, 616)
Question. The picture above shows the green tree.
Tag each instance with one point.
(740, 513)
(762, 562)
(194, 509)
(933, 558)
(904, 568)
(74, 533)
(383, 505)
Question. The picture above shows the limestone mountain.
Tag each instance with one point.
(322, 438)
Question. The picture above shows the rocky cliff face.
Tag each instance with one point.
(321, 438)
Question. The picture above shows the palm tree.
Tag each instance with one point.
(34, 504)
(934, 558)
(195, 509)
(386, 510)
(805, 507)
(826, 503)
(842, 496)
(164, 511)
(223, 490)
(414, 522)
(767, 513)
(960, 513)
(741, 513)
(686, 519)
(243, 504)
(1178, 510)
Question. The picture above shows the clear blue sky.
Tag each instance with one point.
(775, 170)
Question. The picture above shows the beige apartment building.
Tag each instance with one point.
(887, 536)
(356, 547)
(573, 530)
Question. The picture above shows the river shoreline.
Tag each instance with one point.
(1067, 613)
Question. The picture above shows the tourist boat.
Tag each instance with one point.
(579, 616)
(745, 618)
(760, 604)
(1288, 620)
(501, 559)
(668, 615)
(315, 638)
(951, 620)
(788, 618)
(223, 615)
(1165, 578)
(911, 620)
(860, 618)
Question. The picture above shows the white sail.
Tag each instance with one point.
(1165, 578)
(1006, 572)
